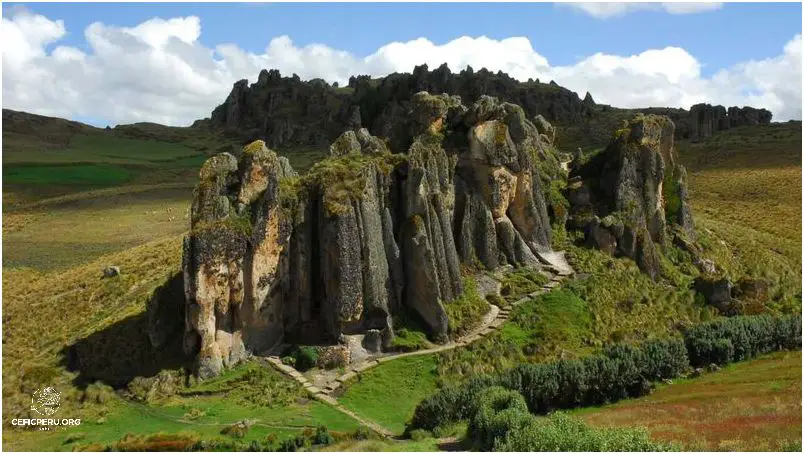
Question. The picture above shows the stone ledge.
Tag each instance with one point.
(346, 377)
(366, 365)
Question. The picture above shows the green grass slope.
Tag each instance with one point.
(749, 406)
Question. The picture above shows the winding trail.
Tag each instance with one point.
(491, 322)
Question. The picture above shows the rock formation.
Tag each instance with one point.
(277, 257)
(706, 119)
(286, 111)
(629, 197)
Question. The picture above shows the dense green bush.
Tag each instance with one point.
(618, 372)
(306, 357)
(450, 404)
(560, 432)
(665, 358)
(739, 338)
(500, 421)
(497, 411)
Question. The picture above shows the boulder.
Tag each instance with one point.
(716, 292)
(372, 342)
(751, 289)
(598, 236)
(111, 271)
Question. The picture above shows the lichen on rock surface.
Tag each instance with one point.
(273, 256)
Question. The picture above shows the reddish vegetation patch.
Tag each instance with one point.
(751, 406)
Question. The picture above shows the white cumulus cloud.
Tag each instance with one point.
(159, 71)
(605, 10)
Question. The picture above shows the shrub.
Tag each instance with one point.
(618, 372)
(665, 358)
(322, 436)
(306, 357)
(237, 430)
(451, 404)
(738, 338)
(467, 311)
(361, 433)
(498, 411)
(560, 432)
(419, 434)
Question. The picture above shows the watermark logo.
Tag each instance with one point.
(45, 401)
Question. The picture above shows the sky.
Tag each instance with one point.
(172, 63)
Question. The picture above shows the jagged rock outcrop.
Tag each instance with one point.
(627, 197)
(286, 111)
(231, 258)
(704, 119)
(273, 256)
(283, 111)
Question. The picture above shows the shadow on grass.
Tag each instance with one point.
(138, 346)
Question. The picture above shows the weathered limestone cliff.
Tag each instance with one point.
(275, 257)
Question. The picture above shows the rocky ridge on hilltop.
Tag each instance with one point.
(288, 112)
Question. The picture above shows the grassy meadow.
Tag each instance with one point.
(749, 406)
(387, 394)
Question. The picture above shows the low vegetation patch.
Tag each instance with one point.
(548, 326)
(619, 371)
(251, 384)
(401, 383)
(501, 422)
(467, 311)
(522, 282)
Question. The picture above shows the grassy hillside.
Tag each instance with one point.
(750, 406)
(745, 189)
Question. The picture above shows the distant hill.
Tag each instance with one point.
(22, 131)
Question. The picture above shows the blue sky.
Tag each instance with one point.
(731, 54)
(737, 32)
